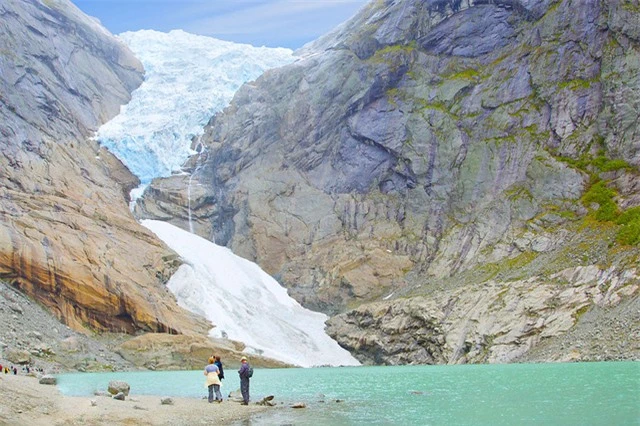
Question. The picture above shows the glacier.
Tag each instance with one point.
(245, 303)
(188, 78)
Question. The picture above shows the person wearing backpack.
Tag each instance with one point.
(245, 372)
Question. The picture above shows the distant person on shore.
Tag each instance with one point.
(245, 373)
(219, 364)
(213, 380)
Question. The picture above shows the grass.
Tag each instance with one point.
(602, 195)
(387, 53)
(576, 84)
(629, 232)
(468, 74)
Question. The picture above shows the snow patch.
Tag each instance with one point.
(245, 303)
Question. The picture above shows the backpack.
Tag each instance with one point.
(250, 372)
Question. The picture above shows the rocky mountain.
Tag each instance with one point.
(454, 180)
(67, 238)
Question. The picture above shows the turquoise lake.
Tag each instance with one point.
(605, 393)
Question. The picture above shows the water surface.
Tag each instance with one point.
(512, 394)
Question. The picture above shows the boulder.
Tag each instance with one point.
(48, 380)
(267, 401)
(17, 356)
(117, 386)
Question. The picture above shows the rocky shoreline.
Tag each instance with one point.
(25, 401)
(31, 336)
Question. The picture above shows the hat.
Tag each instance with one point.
(244, 358)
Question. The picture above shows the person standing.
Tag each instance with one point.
(245, 373)
(213, 380)
(219, 364)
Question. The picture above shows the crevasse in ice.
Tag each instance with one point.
(188, 78)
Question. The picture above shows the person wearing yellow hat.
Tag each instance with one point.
(245, 372)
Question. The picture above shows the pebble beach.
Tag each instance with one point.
(24, 401)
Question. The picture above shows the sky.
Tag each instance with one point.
(271, 23)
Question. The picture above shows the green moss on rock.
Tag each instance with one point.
(602, 195)
(629, 232)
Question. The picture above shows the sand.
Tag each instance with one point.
(24, 401)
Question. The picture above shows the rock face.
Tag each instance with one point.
(497, 323)
(429, 148)
(169, 352)
(66, 236)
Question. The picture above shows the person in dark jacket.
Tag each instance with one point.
(244, 380)
(219, 364)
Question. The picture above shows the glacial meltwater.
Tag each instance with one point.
(603, 393)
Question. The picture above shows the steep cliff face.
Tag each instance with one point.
(66, 236)
(430, 149)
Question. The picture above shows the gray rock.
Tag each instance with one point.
(34, 335)
(120, 396)
(166, 401)
(267, 401)
(117, 386)
(48, 380)
(18, 356)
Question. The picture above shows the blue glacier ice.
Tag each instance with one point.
(188, 78)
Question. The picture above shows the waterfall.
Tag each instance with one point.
(199, 165)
